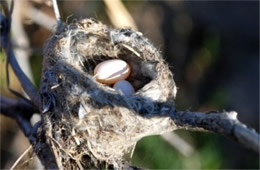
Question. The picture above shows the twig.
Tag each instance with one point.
(20, 157)
(28, 87)
(19, 110)
(10, 108)
(225, 123)
(20, 38)
(119, 15)
(177, 142)
(41, 18)
(57, 12)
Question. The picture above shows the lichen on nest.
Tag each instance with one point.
(89, 119)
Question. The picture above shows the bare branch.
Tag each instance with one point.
(225, 123)
(119, 15)
(20, 157)
(28, 87)
(57, 12)
(20, 110)
(42, 19)
(21, 39)
(177, 142)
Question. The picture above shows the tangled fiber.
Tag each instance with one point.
(89, 124)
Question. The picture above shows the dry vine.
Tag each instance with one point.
(88, 125)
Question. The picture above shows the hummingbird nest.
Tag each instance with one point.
(90, 125)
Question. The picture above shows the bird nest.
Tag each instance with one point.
(90, 124)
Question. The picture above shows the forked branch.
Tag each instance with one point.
(27, 85)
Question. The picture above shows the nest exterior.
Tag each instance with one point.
(90, 124)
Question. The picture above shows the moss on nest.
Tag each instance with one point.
(90, 121)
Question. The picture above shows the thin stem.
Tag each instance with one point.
(57, 12)
(21, 157)
(27, 85)
(42, 19)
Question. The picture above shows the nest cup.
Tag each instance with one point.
(88, 117)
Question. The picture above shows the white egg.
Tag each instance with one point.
(111, 71)
(125, 87)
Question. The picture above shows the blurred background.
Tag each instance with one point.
(212, 49)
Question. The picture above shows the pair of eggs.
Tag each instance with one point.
(114, 71)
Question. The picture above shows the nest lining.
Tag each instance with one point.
(90, 119)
